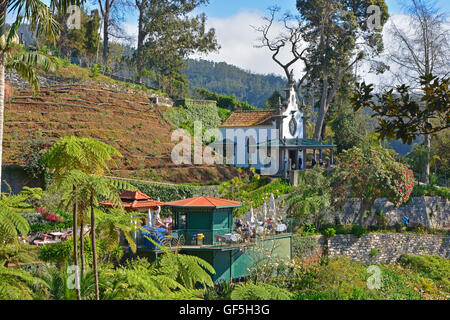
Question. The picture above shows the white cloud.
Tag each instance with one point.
(237, 39)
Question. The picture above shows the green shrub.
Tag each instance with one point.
(303, 245)
(329, 232)
(358, 230)
(373, 252)
(57, 253)
(430, 191)
(278, 187)
(94, 72)
(261, 291)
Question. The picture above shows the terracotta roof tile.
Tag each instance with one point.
(247, 118)
(133, 195)
(204, 202)
(138, 199)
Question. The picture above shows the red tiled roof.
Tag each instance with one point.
(204, 202)
(138, 199)
(247, 118)
(133, 195)
(143, 204)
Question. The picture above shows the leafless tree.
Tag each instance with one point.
(422, 46)
(290, 38)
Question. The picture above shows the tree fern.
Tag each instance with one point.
(188, 270)
(11, 225)
(84, 154)
(16, 284)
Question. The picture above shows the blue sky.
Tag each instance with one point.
(232, 20)
(223, 8)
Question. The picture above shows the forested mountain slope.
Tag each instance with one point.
(230, 80)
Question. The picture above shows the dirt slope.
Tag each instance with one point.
(128, 121)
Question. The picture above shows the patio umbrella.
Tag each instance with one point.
(158, 211)
(150, 217)
(252, 216)
(272, 205)
(272, 202)
(265, 210)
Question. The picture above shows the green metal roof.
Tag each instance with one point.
(294, 142)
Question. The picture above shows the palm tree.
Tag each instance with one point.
(85, 155)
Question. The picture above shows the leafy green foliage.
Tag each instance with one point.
(310, 201)
(12, 224)
(329, 232)
(400, 115)
(343, 279)
(369, 173)
(349, 128)
(141, 279)
(223, 101)
(85, 154)
(228, 80)
(16, 284)
(172, 32)
(57, 253)
(94, 71)
(262, 291)
(302, 245)
(184, 116)
(358, 230)
(31, 154)
(430, 266)
(26, 64)
(430, 191)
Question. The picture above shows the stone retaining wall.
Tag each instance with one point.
(427, 211)
(387, 247)
(373, 247)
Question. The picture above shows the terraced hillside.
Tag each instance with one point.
(126, 119)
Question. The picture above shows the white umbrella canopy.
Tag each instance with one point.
(265, 210)
(272, 202)
(252, 215)
(150, 217)
(272, 206)
(158, 210)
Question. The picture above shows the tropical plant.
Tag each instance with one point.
(84, 155)
(310, 201)
(12, 224)
(260, 291)
(87, 193)
(14, 253)
(140, 279)
(16, 284)
(55, 283)
(109, 223)
(187, 270)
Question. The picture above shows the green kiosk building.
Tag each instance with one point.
(203, 226)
